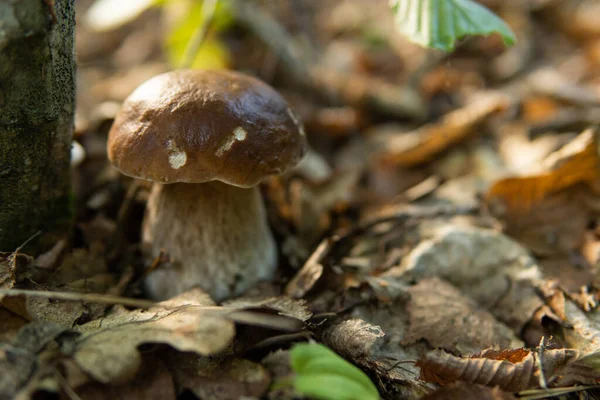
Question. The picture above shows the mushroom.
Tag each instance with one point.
(206, 138)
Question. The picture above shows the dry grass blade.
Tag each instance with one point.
(72, 296)
(539, 394)
(310, 273)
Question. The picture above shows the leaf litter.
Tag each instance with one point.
(442, 236)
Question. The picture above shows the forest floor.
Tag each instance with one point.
(441, 233)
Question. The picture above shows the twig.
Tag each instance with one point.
(18, 249)
(155, 263)
(64, 384)
(193, 45)
(540, 362)
(539, 394)
(72, 296)
(310, 273)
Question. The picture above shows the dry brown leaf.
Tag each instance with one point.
(11, 264)
(62, 312)
(279, 366)
(285, 306)
(10, 323)
(551, 210)
(453, 128)
(361, 339)
(352, 338)
(486, 266)
(108, 347)
(463, 391)
(520, 152)
(19, 358)
(152, 382)
(440, 314)
(581, 330)
(539, 108)
(577, 162)
(580, 19)
(7, 271)
(570, 277)
(511, 370)
(213, 379)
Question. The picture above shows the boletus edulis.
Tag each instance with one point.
(206, 139)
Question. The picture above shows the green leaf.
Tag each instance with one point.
(440, 23)
(323, 374)
(186, 15)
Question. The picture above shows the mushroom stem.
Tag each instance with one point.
(216, 235)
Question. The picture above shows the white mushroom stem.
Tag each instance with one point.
(216, 235)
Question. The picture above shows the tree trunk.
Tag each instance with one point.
(37, 100)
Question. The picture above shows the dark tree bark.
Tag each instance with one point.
(37, 100)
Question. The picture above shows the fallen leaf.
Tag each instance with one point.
(353, 338)
(152, 382)
(579, 19)
(286, 306)
(485, 266)
(62, 312)
(434, 138)
(10, 323)
(580, 330)
(7, 271)
(360, 338)
(19, 359)
(550, 211)
(11, 264)
(108, 347)
(539, 108)
(440, 314)
(210, 378)
(511, 370)
(278, 365)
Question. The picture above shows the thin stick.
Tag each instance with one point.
(73, 296)
(66, 387)
(18, 249)
(192, 47)
(310, 273)
(540, 361)
(539, 394)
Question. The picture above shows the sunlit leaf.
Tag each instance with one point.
(322, 374)
(106, 15)
(440, 23)
(186, 17)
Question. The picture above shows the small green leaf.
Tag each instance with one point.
(323, 374)
(440, 23)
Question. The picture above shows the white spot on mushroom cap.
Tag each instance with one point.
(239, 135)
(296, 121)
(177, 157)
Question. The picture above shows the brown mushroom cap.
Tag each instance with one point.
(196, 126)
